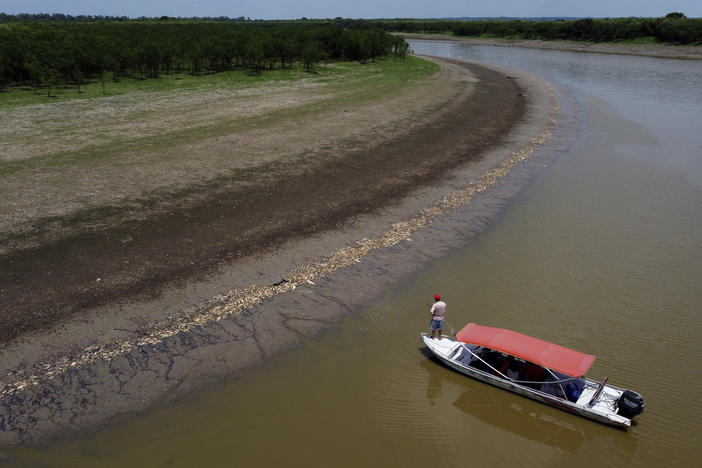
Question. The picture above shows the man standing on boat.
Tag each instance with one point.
(438, 312)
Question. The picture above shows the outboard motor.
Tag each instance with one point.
(630, 404)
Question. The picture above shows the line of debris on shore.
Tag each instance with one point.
(237, 301)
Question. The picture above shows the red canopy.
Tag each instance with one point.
(565, 360)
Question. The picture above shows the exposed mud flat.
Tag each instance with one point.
(223, 289)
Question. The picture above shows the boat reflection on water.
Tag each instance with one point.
(433, 385)
(503, 410)
(521, 419)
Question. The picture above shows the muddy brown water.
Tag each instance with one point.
(600, 253)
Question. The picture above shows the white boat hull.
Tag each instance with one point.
(603, 410)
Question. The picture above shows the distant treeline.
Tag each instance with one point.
(43, 54)
(5, 18)
(57, 17)
(674, 28)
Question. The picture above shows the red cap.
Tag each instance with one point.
(437, 297)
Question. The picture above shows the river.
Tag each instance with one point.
(601, 252)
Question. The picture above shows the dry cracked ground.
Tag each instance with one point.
(121, 197)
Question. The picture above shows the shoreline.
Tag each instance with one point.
(230, 333)
(646, 50)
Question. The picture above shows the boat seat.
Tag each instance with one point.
(465, 357)
(585, 396)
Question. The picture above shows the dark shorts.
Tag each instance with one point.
(436, 324)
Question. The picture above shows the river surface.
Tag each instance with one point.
(602, 253)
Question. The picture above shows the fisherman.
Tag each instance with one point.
(438, 312)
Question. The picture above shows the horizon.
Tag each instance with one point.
(244, 18)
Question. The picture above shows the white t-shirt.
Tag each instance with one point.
(438, 310)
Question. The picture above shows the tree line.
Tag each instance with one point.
(55, 17)
(674, 28)
(45, 54)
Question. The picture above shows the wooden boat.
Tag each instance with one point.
(536, 369)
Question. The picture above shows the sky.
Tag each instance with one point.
(291, 9)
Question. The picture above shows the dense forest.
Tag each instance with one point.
(674, 28)
(43, 50)
(52, 51)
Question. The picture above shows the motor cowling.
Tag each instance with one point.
(630, 404)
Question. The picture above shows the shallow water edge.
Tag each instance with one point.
(237, 331)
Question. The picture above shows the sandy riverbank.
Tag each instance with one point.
(339, 232)
(649, 50)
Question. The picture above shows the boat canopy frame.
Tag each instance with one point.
(552, 356)
(557, 380)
